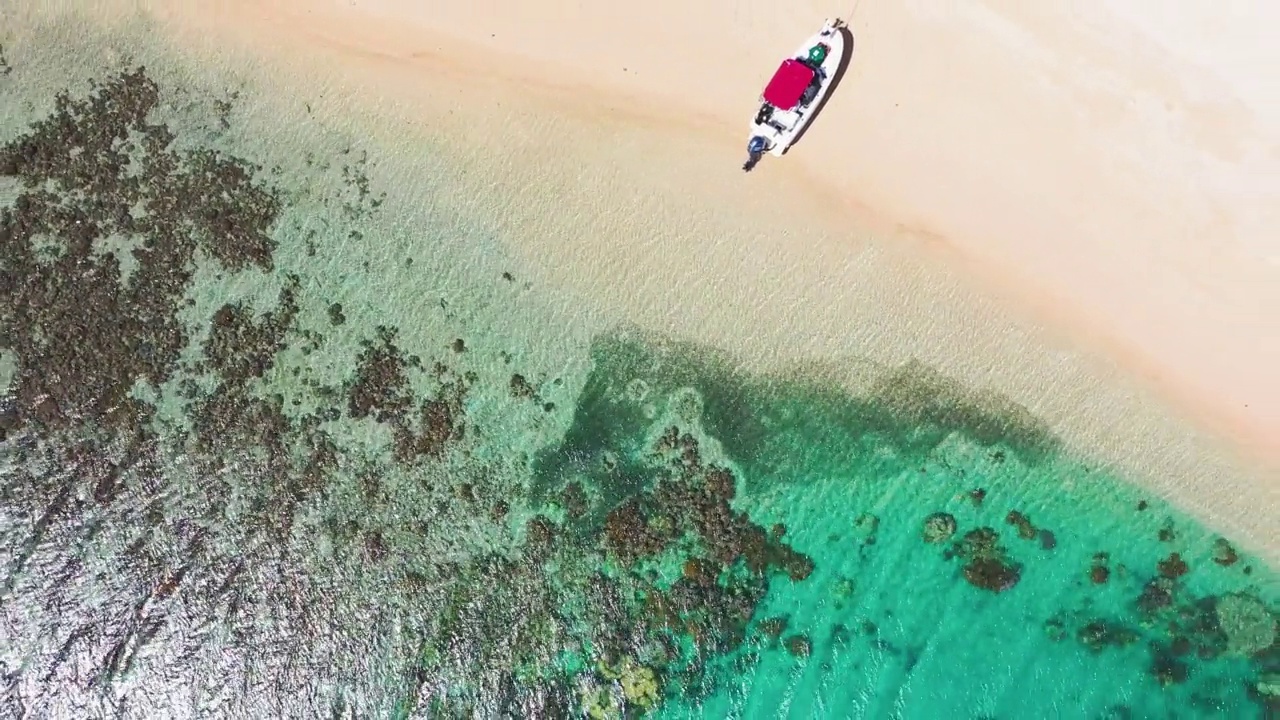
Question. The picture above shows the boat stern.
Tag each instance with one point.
(757, 146)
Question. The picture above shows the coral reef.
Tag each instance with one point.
(939, 527)
(987, 563)
(1246, 622)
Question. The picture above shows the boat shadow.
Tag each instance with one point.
(835, 85)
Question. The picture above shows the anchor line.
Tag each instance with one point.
(847, 19)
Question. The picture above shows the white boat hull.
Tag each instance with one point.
(784, 126)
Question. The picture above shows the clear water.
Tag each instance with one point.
(293, 534)
(893, 629)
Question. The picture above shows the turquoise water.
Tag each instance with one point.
(892, 627)
(271, 450)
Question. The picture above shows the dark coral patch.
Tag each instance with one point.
(381, 390)
(82, 331)
(987, 563)
(1223, 553)
(1172, 567)
(1026, 530)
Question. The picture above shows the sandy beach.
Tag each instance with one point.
(1073, 207)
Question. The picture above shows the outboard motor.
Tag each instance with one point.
(756, 148)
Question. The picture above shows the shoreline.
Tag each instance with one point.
(817, 256)
(1227, 392)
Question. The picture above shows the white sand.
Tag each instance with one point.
(1070, 206)
(1116, 167)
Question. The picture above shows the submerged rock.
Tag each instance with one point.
(599, 701)
(939, 527)
(639, 684)
(1100, 634)
(989, 566)
(1026, 530)
(1055, 629)
(992, 574)
(1246, 622)
(1099, 573)
(799, 646)
(1156, 594)
(1172, 567)
(1167, 669)
(336, 316)
(521, 387)
(773, 627)
(700, 571)
(575, 501)
(1223, 553)
(866, 527)
(844, 588)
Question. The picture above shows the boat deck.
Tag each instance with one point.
(788, 119)
(796, 90)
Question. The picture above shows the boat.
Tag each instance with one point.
(795, 92)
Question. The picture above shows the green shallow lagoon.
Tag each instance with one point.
(887, 625)
(286, 436)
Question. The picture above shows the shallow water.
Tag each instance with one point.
(350, 464)
(886, 626)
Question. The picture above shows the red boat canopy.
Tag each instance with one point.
(788, 84)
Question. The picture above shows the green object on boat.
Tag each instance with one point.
(817, 53)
